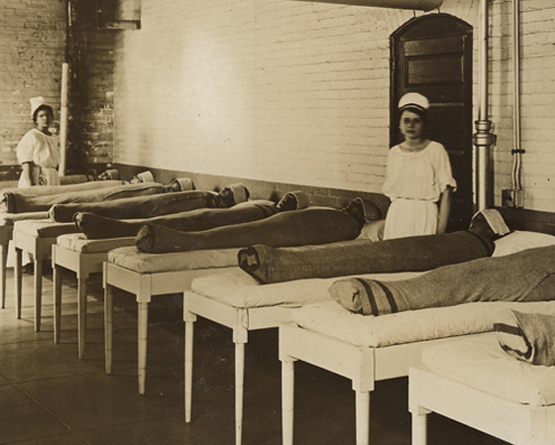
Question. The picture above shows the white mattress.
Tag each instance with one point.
(131, 258)
(44, 228)
(78, 242)
(331, 319)
(7, 219)
(479, 362)
(238, 289)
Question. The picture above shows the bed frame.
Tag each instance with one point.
(144, 286)
(83, 264)
(366, 365)
(6, 235)
(508, 420)
(363, 365)
(241, 320)
(40, 248)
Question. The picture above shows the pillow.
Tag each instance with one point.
(521, 240)
(372, 230)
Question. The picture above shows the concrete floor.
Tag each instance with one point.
(49, 396)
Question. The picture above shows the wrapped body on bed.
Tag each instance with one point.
(312, 225)
(411, 254)
(99, 227)
(524, 276)
(17, 202)
(20, 200)
(156, 205)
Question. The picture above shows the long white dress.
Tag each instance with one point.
(414, 183)
(43, 152)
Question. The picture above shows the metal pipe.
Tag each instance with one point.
(483, 139)
(64, 119)
(484, 24)
(422, 5)
(517, 152)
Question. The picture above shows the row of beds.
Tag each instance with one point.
(312, 328)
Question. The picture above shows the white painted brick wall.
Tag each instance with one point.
(298, 92)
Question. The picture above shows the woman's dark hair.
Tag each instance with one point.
(43, 107)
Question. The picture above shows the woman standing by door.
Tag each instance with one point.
(418, 180)
(38, 151)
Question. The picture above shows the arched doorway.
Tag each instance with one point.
(432, 54)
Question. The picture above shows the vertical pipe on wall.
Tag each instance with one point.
(517, 152)
(483, 139)
(483, 66)
(64, 119)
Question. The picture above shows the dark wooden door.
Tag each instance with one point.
(432, 55)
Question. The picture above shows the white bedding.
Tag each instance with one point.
(131, 258)
(44, 228)
(238, 289)
(480, 363)
(331, 319)
(317, 312)
(78, 242)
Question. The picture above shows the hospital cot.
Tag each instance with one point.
(367, 349)
(239, 302)
(235, 300)
(38, 236)
(76, 253)
(473, 381)
(85, 256)
(147, 275)
(8, 219)
(35, 237)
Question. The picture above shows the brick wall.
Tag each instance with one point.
(297, 92)
(91, 52)
(32, 44)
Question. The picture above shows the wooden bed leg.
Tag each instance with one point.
(419, 427)
(287, 399)
(362, 417)
(3, 267)
(57, 278)
(38, 292)
(108, 324)
(189, 328)
(419, 414)
(81, 313)
(143, 334)
(239, 389)
(18, 272)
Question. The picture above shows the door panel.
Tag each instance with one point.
(432, 55)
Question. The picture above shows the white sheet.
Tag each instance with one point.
(333, 320)
(236, 288)
(479, 362)
(131, 258)
(78, 242)
(44, 228)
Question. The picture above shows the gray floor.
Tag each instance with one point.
(48, 396)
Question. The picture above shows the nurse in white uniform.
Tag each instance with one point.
(418, 180)
(38, 152)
